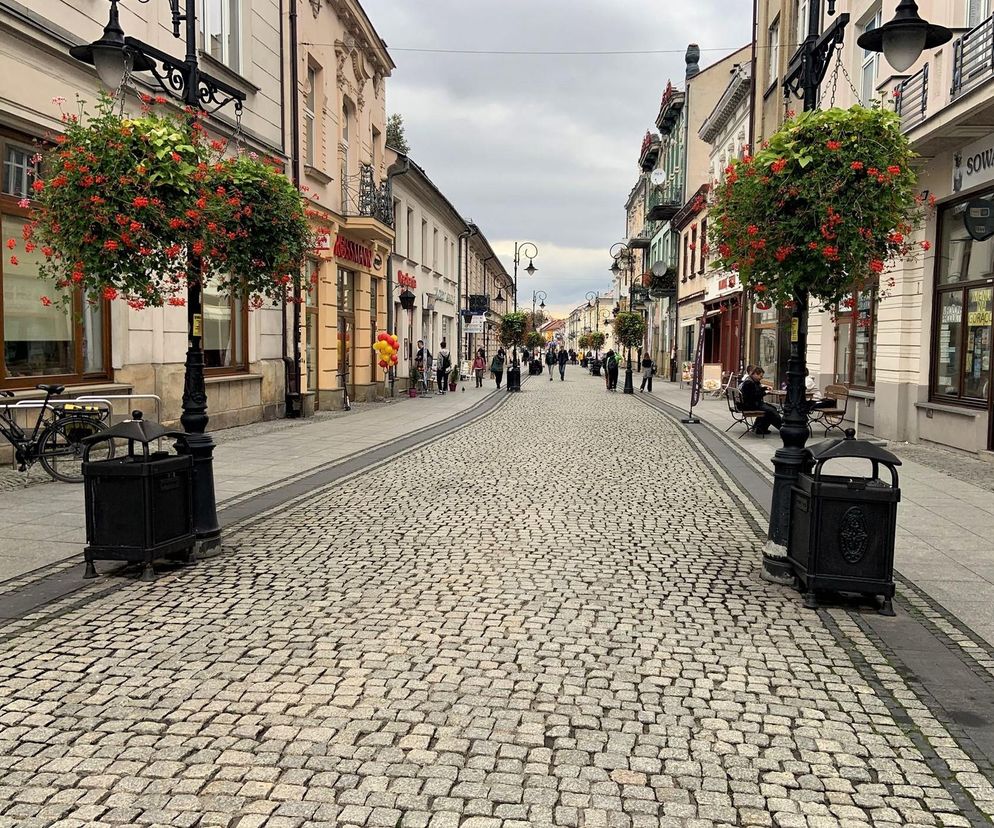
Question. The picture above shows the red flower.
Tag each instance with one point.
(110, 294)
(873, 171)
(752, 229)
(13, 260)
(110, 244)
(48, 252)
(830, 252)
(176, 157)
(926, 245)
(29, 247)
(876, 265)
(46, 301)
(140, 201)
(895, 238)
(176, 301)
(778, 165)
(198, 247)
(893, 169)
(11, 244)
(833, 145)
(856, 165)
(175, 223)
(38, 185)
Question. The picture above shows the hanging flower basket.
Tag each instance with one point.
(825, 206)
(122, 203)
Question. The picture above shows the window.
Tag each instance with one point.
(961, 365)
(977, 11)
(424, 242)
(870, 65)
(686, 257)
(704, 243)
(409, 235)
(773, 52)
(855, 332)
(219, 25)
(377, 147)
(434, 249)
(311, 324)
(345, 292)
(310, 110)
(39, 341)
(224, 331)
(346, 138)
(693, 247)
(396, 224)
(800, 21)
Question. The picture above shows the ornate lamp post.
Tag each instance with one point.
(528, 250)
(620, 250)
(115, 56)
(905, 36)
(540, 295)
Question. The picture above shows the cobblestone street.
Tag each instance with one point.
(552, 616)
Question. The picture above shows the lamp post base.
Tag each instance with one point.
(200, 446)
(788, 462)
(629, 383)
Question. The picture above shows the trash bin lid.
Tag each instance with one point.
(848, 446)
(137, 429)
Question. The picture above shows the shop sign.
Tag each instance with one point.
(353, 252)
(974, 164)
(475, 326)
(443, 296)
(406, 280)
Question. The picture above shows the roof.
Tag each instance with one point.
(404, 165)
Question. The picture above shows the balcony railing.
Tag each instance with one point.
(660, 206)
(973, 58)
(912, 99)
(369, 199)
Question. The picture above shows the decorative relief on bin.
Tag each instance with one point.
(853, 535)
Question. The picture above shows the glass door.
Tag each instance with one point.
(346, 348)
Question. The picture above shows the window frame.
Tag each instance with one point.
(773, 52)
(235, 306)
(802, 14)
(310, 115)
(230, 28)
(963, 288)
(868, 58)
(79, 376)
(849, 317)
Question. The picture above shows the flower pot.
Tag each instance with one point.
(412, 392)
(452, 386)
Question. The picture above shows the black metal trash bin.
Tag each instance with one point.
(139, 507)
(842, 528)
(595, 367)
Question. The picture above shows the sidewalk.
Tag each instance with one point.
(44, 523)
(944, 520)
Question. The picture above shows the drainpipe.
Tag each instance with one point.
(294, 407)
(746, 303)
(390, 179)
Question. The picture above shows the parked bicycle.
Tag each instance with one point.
(56, 439)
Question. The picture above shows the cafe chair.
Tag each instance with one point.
(832, 418)
(739, 417)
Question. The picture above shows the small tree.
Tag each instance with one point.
(597, 340)
(583, 341)
(535, 340)
(396, 134)
(511, 329)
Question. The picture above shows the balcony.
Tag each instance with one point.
(650, 151)
(912, 99)
(640, 241)
(973, 61)
(660, 206)
(368, 209)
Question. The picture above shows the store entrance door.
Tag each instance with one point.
(346, 353)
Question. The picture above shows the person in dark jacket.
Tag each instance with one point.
(753, 391)
(648, 369)
(497, 366)
(550, 360)
(611, 370)
(563, 359)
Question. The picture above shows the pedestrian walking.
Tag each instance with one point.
(753, 391)
(563, 359)
(648, 369)
(479, 366)
(497, 366)
(442, 366)
(550, 360)
(422, 362)
(611, 371)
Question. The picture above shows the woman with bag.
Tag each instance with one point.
(442, 366)
(479, 366)
(497, 366)
(648, 369)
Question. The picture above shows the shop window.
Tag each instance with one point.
(855, 333)
(961, 362)
(42, 341)
(311, 324)
(346, 291)
(310, 117)
(219, 29)
(764, 341)
(224, 340)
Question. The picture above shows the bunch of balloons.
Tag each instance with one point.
(386, 347)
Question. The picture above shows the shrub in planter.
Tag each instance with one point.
(535, 340)
(597, 340)
(825, 206)
(629, 329)
(511, 329)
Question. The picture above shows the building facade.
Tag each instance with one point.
(488, 288)
(111, 348)
(340, 67)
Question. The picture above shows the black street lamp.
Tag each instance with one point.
(620, 250)
(540, 295)
(115, 56)
(805, 73)
(528, 250)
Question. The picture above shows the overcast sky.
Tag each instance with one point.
(538, 147)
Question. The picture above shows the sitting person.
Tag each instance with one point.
(752, 391)
(816, 400)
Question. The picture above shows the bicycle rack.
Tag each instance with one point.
(107, 399)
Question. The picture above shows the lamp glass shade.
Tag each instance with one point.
(903, 46)
(542, 305)
(111, 63)
(530, 270)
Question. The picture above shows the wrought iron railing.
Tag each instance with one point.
(370, 199)
(973, 58)
(912, 98)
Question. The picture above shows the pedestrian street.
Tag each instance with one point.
(551, 616)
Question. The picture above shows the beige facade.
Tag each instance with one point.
(114, 349)
(342, 66)
(485, 276)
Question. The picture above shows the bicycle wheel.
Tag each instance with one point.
(60, 449)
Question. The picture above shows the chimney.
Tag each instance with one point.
(692, 59)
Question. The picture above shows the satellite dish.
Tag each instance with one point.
(660, 269)
(658, 178)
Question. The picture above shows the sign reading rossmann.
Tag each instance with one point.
(353, 252)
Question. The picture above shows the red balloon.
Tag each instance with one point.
(383, 363)
(381, 337)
